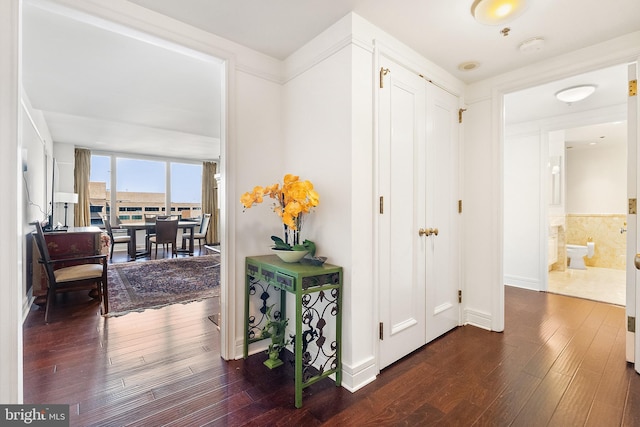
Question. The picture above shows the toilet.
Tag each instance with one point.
(576, 254)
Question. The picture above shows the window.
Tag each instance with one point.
(186, 189)
(96, 215)
(99, 188)
(141, 186)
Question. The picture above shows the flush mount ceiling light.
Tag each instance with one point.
(575, 93)
(497, 12)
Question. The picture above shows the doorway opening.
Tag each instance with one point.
(565, 182)
(197, 121)
(596, 190)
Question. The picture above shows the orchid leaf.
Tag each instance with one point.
(310, 246)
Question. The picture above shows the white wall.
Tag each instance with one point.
(259, 147)
(328, 138)
(11, 216)
(597, 179)
(36, 145)
(522, 211)
(36, 151)
(482, 217)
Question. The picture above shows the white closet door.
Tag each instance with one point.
(401, 175)
(443, 248)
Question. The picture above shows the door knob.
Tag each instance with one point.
(428, 231)
(636, 261)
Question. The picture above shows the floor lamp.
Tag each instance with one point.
(66, 198)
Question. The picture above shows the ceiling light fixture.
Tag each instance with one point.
(575, 93)
(497, 12)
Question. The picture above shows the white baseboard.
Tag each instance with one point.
(357, 376)
(477, 318)
(522, 282)
(27, 301)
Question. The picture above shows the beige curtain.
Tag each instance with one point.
(210, 199)
(81, 173)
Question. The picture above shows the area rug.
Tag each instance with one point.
(137, 286)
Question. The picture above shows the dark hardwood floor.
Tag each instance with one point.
(560, 362)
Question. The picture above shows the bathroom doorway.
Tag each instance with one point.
(595, 184)
(565, 182)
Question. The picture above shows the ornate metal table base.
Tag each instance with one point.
(318, 297)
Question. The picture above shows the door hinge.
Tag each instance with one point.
(381, 331)
(460, 111)
(381, 204)
(459, 206)
(633, 206)
(633, 87)
(383, 72)
(459, 296)
(631, 324)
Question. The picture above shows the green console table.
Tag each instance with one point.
(318, 299)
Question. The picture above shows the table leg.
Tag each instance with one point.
(132, 244)
(298, 352)
(191, 242)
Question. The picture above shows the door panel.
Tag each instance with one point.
(443, 310)
(401, 252)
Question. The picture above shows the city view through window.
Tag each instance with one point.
(144, 187)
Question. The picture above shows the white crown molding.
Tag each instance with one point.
(611, 52)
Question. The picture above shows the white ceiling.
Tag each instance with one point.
(442, 30)
(103, 90)
(538, 104)
(107, 91)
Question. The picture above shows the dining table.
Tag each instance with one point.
(148, 226)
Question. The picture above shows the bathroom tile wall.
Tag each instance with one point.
(604, 229)
(561, 263)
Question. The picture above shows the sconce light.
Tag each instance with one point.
(575, 93)
(497, 12)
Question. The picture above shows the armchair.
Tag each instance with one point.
(91, 273)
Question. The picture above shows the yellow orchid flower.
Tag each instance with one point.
(289, 178)
(293, 199)
(247, 200)
(272, 191)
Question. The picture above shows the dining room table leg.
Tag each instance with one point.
(132, 244)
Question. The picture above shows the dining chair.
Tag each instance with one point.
(201, 234)
(115, 239)
(151, 231)
(90, 272)
(166, 234)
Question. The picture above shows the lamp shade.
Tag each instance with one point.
(67, 198)
(497, 12)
